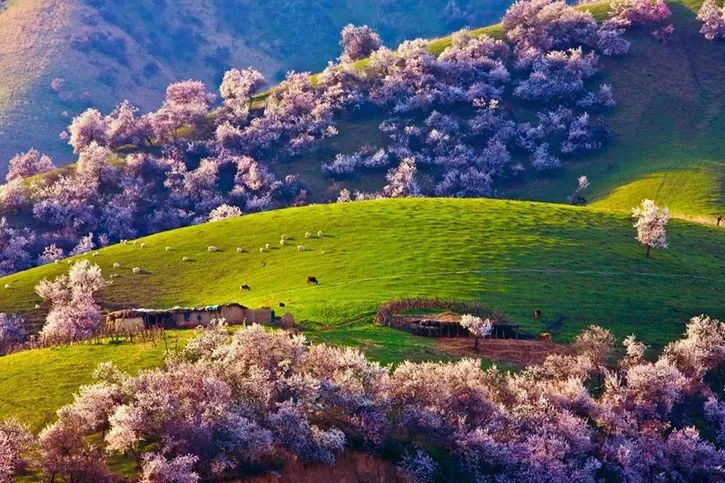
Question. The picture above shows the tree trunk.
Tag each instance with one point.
(475, 344)
(646, 253)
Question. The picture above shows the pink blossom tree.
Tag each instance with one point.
(28, 164)
(74, 314)
(650, 222)
(477, 326)
(713, 20)
(15, 442)
(85, 128)
(358, 42)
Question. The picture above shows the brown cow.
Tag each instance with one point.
(246, 288)
(545, 336)
(312, 280)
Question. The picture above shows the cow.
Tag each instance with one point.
(281, 304)
(246, 288)
(312, 280)
(537, 314)
(545, 336)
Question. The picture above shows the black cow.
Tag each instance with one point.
(246, 288)
(312, 280)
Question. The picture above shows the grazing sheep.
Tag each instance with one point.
(320, 234)
(143, 245)
(168, 249)
(57, 262)
(284, 237)
(37, 306)
(283, 242)
(7, 286)
(261, 250)
(246, 288)
(308, 234)
(266, 246)
(136, 270)
(116, 265)
(212, 249)
(300, 248)
(123, 242)
(185, 259)
(95, 254)
(240, 249)
(312, 280)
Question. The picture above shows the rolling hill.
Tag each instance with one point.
(103, 51)
(580, 266)
(666, 139)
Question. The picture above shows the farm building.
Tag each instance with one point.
(186, 318)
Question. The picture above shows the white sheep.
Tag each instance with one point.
(37, 306)
(240, 249)
(283, 242)
(301, 248)
(261, 250)
(136, 270)
(123, 242)
(143, 245)
(266, 246)
(168, 249)
(284, 237)
(116, 265)
(7, 286)
(185, 259)
(57, 262)
(320, 234)
(308, 234)
(95, 254)
(212, 248)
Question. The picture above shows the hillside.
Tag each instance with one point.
(516, 256)
(106, 51)
(578, 265)
(666, 138)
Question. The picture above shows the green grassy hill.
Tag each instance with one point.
(167, 41)
(578, 265)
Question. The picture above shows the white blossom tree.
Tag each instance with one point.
(477, 326)
(650, 222)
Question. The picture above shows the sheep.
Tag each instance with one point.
(185, 259)
(143, 245)
(320, 234)
(95, 254)
(261, 250)
(116, 265)
(283, 242)
(301, 248)
(240, 250)
(136, 270)
(308, 234)
(168, 249)
(266, 246)
(37, 306)
(212, 248)
(284, 237)
(123, 242)
(57, 262)
(7, 286)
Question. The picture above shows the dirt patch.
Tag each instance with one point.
(521, 352)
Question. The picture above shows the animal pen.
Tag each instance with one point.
(446, 323)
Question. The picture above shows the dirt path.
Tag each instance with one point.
(521, 352)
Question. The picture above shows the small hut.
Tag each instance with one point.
(187, 317)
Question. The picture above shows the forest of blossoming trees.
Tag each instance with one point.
(449, 115)
(249, 401)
